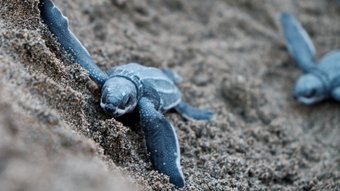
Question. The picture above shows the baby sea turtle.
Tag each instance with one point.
(133, 86)
(320, 81)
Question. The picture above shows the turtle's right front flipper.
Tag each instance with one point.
(161, 142)
(299, 44)
(58, 25)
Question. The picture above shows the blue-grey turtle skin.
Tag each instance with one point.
(132, 86)
(321, 79)
(152, 92)
(59, 27)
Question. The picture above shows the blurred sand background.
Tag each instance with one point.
(54, 135)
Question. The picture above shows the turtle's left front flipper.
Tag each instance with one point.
(161, 142)
(57, 23)
(299, 44)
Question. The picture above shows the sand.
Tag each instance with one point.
(55, 136)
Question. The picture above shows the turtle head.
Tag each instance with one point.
(309, 89)
(119, 96)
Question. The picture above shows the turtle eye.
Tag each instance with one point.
(128, 101)
(310, 93)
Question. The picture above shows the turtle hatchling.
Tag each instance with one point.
(321, 79)
(132, 86)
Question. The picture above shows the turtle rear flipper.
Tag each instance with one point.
(58, 25)
(161, 142)
(172, 75)
(299, 44)
(190, 112)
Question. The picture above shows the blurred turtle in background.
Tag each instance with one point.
(321, 78)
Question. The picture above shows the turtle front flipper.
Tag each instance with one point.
(161, 142)
(335, 88)
(58, 25)
(190, 112)
(299, 44)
